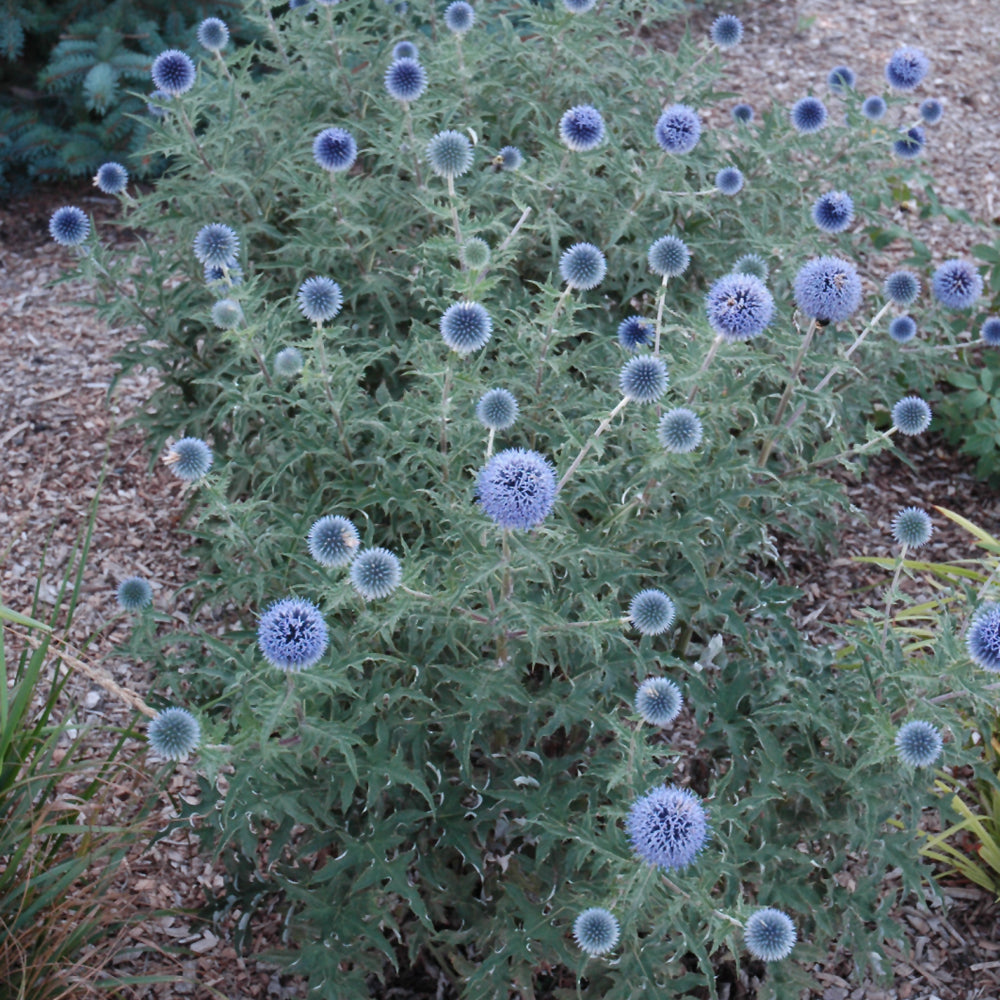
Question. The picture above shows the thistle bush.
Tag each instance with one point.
(440, 609)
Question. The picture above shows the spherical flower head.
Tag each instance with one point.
(901, 288)
(651, 612)
(334, 149)
(957, 284)
(583, 266)
(658, 700)
(475, 253)
(497, 410)
(874, 107)
(678, 129)
(833, 212)
(743, 113)
(596, 931)
(517, 488)
(931, 110)
(216, 244)
(333, 541)
(579, 6)
(729, 180)
(906, 68)
(983, 638)
(581, 128)
(668, 257)
(769, 935)
(911, 415)
(910, 144)
(918, 743)
(405, 79)
(111, 178)
(828, 289)
(752, 263)
(841, 79)
(990, 331)
(189, 459)
(405, 50)
(449, 154)
(173, 72)
(155, 104)
(466, 327)
(213, 35)
(292, 634)
(69, 226)
(511, 158)
(173, 733)
(375, 573)
(727, 31)
(320, 299)
(739, 307)
(227, 314)
(903, 329)
(912, 527)
(668, 827)
(643, 379)
(459, 17)
(134, 594)
(808, 115)
(679, 431)
(635, 332)
(288, 362)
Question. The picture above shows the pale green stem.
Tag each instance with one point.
(445, 400)
(793, 378)
(661, 299)
(454, 213)
(408, 118)
(489, 442)
(334, 410)
(712, 351)
(878, 439)
(890, 596)
(503, 246)
(560, 302)
(601, 428)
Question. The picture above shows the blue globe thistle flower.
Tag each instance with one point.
(841, 79)
(678, 129)
(334, 149)
(511, 158)
(990, 331)
(912, 527)
(173, 72)
(910, 144)
(320, 299)
(679, 431)
(808, 115)
(466, 327)
(216, 244)
(405, 79)
(739, 307)
(658, 700)
(581, 128)
(727, 31)
(213, 34)
(918, 743)
(111, 178)
(375, 573)
(69, 226)
(497, 410)
(667, 826)
(220, 278)
(743, 112)
(769, 935)
(459, 17)
(155, 103)
(833, 212)
(911, 415)
(874, 107)
(475, 253)
(189, 459)
(134, 594)
(668, 257)
(583, 266)
(333, 541)
(227, 314)
(292, 634)
(173, 733)
(903, 329)
(517, 488)
(579, 6)
(288, 362)
(596, 931)
(931, 110)
(957, 284)
(983, 638)
(752, 263)
(901, 288)
(449, 154)
(729, 180)
(635, 332)
(828, 289)
(651, 612)
(906, 68)
(643, 378)
(405, 50)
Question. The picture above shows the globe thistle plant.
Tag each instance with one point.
(292, 634)
(678, 129)
(910, 144)
(189, 459)
(957, 284)
(752, 263)
(405, 79)
(658, 701)
(828, 289)
(903, 329)
(808, 115)
(874, 107)
(173, 72)
(595, 931)
(911, 415)
(333, 541)
(668, 827)
(213, 34)
(156, 102)
(220, 278)
(375, 573)
(841, 79)
(497, 410)
(335, 149)
(643, 378)
(475, 253)
(288, 362)
(449, 154)
(739, 307)
(679, 431)
(912, 527)
(635, 332)
(216, 244)
(651, 612)
(511, 158)
(906, 68)
(931, 110)
(833, 212)
(743, 113)
(466, 327)
(134, 594)
(901, 288)
(459, 17)
(668, 257)
(405, 50)
(727, 31)
(517, 489)
(69, 226)
(320, 299)
(173, 733)
(579, 6)
(583, 266)
(983, 637)
(581, 128)
(111, 178)
(227, 314)
(918, 743)
(769, 935)
(990, 331)
(729, 180)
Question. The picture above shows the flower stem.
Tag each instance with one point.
(712, 351)
(560, 302)
(601, 428)
(454, 213)
(408, 118)
(793, 378)
(445, 394)
(890, 595)
(661, 299)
